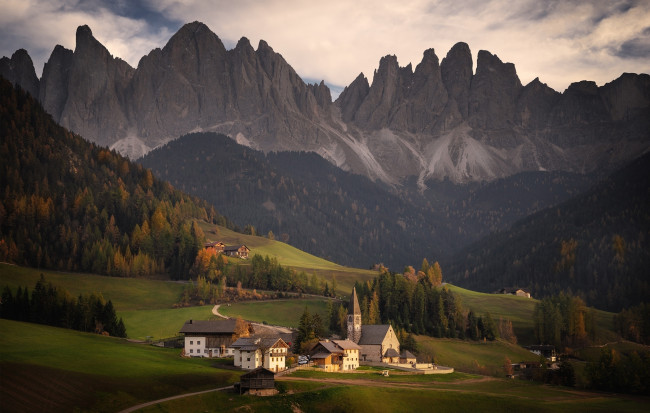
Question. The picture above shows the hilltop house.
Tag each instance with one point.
(253, 352)
(335, 355)
(378, 342)
(239, 251)
(217, 246)
(212, 338)
(519, 292)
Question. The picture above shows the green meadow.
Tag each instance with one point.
(278, 312)
(349, 394)
(50, 369)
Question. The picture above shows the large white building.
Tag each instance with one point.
(253, 352)
(211, 338)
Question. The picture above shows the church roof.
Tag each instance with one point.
(354, 308)
(373, 334)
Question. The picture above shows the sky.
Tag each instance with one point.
(559, 41)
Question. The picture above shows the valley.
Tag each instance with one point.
(448, 211)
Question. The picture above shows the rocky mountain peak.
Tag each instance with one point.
(19, 70)
(456, 71)
(352, 96)
(493, 93)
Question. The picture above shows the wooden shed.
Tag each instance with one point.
(260, 381)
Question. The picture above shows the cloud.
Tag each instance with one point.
(560, 41)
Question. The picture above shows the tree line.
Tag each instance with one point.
(417, 302)
(49, 305)
(563, 320)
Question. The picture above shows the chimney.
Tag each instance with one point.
(190, 321)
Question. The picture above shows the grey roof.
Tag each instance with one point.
(330, 346)
(407, 355)
(391, 352)
(374, 334)
(321, 355)
(347, 344)
(234, 247)
(244, 341)
(209, 327)
(253, 343)
(354, 308)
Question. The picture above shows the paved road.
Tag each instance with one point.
(143, 405)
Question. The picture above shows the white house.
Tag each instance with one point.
(210, 338)
(254, 352)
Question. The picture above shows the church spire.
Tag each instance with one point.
(354, 318)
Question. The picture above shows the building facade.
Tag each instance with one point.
(210, 338)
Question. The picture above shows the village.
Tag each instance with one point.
(266, 351)
(266, 354)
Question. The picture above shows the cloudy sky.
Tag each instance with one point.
(559, 41)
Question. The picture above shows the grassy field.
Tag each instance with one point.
(164, 323)
(430, 394)
(472, 356)
(127, 294)
(289, 256)
(278, 312)
(520, 310)
(51, 369)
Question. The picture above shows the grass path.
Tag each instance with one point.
(166, 399)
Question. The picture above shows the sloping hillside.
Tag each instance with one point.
(595, 245)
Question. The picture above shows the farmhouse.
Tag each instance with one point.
(519, 292)
(336, 355)
(378, 342)
(239, 251)
(213, 338)
(253, 352)
(217, 246)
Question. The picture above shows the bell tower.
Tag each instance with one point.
(354, 318)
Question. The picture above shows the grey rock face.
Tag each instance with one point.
(439, 121)
(19, 70)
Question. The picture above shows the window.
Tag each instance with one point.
(191, 351)
(198, 342)
(205, 351)
(191, 342)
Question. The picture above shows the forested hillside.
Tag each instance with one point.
(68, 204)
(313, 205)
(597, 246)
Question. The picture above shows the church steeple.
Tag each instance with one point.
(354, 318)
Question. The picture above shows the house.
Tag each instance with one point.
(212, 338)
(406, 357)
(239, 251)
(260, 381)
(378, 342)
(547, 351)
(253, 352)
(335, 355)
(217, 246)
(519, 292)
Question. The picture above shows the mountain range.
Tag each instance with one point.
(438, 121)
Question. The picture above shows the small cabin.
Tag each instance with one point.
(259, 381)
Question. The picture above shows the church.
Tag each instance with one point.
(378, 342)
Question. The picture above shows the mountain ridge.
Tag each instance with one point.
(439, 121)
